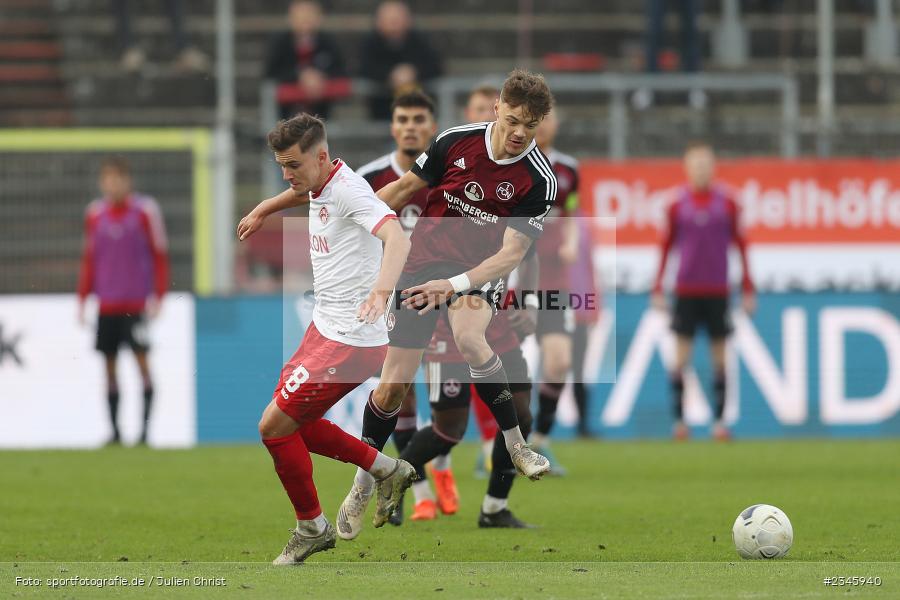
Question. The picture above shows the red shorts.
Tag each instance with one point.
(321, 372)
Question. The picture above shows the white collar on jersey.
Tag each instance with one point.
(504, 161)
(395, 165)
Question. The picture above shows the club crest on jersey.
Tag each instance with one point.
(409, 214)
(323, 214)
(474, 192)
(451, 388)
(505, 191)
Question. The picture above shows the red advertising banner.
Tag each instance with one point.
(852, 201)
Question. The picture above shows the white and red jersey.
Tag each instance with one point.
(344, 217)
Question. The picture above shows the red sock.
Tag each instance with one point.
(294, 468)
(487, 424)
(324, 438)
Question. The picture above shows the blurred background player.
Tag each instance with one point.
(346, 342)
(306, 56)
(125, 264)
(703, 223)
(480, 104)
(413, 126)
(583, 285)
(557, 251)
(395, 57)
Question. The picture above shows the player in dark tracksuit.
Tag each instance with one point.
(703, 223)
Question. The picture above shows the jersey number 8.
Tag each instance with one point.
(297, 378)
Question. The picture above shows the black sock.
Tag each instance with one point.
(719, 390)
(580, 393)
(548, 398)
(503, 473)
(424, 446)
(493, 387)
(112, 397)
(148, 403)
(678, 395)
(401, 439)
(378, 425)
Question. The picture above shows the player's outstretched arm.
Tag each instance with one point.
(397, 193)
(396, 249)
(429, 295)
(501, 264)
(524, 320)
(256, 217)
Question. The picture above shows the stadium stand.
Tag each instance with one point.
(63, 58)
(32, 87)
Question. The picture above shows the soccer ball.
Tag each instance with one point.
(762, 531)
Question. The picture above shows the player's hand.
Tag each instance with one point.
(373, 307)
(151, 308)
(249, 225)
(748, 303)
(524, 321)
(568, 253)
(428, 296)
(658, 301)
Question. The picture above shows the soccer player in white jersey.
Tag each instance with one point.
(347, 340)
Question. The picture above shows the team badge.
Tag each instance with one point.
(505, 191)
(409, 214)
(474, 192)
(323, 214)
(451, 388)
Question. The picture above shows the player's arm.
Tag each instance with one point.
(426, 171)
(525, 224)
(86, 273)
(155, 227)
(501, 264)
(748, 295)
(256, 217)
(397, 193)
(396, 249)
(524, 320)
(568, 252)
(427, 296)
(657, 298)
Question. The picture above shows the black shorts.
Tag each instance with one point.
(559, 318)
(710, 312)
(449, 383)
(407, 328)
(115, 330)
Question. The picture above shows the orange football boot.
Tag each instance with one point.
(447, 494)
(426, 510)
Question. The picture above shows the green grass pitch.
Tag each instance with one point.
(633, 519)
